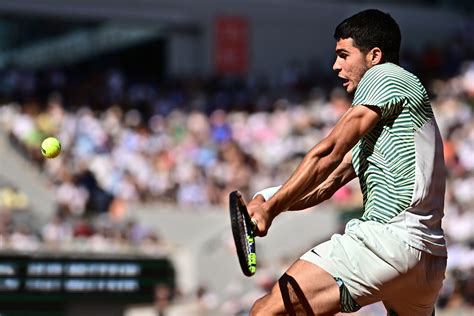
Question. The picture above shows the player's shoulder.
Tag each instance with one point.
(389, 70)
(388, 80)
(391, 78)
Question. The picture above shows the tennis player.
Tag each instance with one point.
(389, 139)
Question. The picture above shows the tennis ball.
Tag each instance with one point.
(50, 147)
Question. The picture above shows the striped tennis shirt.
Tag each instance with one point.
(400, 163)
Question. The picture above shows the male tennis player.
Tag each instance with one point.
(389, 139)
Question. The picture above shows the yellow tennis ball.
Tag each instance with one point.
(50, 147)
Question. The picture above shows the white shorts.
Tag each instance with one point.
(376, 265)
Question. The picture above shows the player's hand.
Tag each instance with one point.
(259, 213)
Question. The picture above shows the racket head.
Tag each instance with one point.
(243, 231)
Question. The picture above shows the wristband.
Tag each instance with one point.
(268, 192)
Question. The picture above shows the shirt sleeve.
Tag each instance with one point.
(381, 89)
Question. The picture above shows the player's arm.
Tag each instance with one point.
(343, 174)
(319, 163)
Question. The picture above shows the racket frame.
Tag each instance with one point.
(237, 206)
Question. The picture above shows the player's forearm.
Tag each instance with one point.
(317, 165)
(340, 177)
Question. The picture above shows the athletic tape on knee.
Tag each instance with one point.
(268, 192)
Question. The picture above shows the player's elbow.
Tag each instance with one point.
(330, 152)
(337, 155)
(331, 162)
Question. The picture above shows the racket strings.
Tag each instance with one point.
(244, 237)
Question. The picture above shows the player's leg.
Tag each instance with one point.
(417, 291)
(404, 309)
(305, 289)
(311, 281)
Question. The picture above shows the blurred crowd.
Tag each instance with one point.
(20, 230)
(186, 158)
(190, 142)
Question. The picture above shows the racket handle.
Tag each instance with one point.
(254, 222)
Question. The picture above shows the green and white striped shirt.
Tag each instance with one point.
(400, 162)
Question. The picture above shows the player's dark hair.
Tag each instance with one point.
(372, 28)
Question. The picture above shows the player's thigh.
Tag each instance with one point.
(399, 308)
(416, 293)
(305, 289)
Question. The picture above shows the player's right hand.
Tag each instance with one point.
(258, 211)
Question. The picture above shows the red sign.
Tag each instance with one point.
(231, 45)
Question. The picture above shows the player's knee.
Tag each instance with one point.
(258, 307)
(262, 307)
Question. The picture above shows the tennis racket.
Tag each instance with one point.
(243, 230)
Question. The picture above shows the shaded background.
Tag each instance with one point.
(163, 108)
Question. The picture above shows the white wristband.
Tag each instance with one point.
(268, 192)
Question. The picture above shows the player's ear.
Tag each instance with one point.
(375, 56)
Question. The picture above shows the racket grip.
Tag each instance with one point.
(254, 222)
